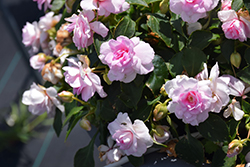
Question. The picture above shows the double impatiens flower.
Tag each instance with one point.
(192, 98)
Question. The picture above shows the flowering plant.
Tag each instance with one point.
(171, 74)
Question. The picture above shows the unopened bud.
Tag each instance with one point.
(160, 111)
(161, 134)
(234, 148)
(85, 124)
(66, 96)
(164, 6)
(235, 59)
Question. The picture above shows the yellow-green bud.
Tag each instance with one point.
(164, 6)
(160, 111)
(163, 91)
(66, 96)
(85, 124)
(234, 148)
(235, 59)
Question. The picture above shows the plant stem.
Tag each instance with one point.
(82, 102)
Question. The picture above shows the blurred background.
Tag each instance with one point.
(23, 141)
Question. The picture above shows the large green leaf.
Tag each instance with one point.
(209, 129)
(175, 66)
(232, 127)
(142, 112)
(190, 150)
(126, 27)
(227, 48)
(84, 157)
(161, 27)
(220, 158)
(193, 60)
(105, 111)
(237, 4)
(244, 74)
(247, 4)
(201, 39)
(57, 125)
(157, 77)
(138, 2)
(57, 5)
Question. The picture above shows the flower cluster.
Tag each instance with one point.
(146, 73)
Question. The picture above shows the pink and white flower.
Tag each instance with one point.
(191, 99)
(48, 21)
(192, 10)
(105, 7)
(82, 28)
(41, 2)
(38, 61)
(83, 80)
(126, 58)
(41, 99)
(234, 109)
(226, 4)
(31, 36)
(133, 139)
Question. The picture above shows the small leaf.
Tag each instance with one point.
(209, 129)
(84, 156)
(237, 4)
(57, 125)
(72, 112)
(138, 2)
(136, 161)
(193, 60)
(245, 106)
(232, 126)
(125, 27)
(244, 74)
(57, 5)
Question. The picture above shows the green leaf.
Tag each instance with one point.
(131, 93)
(209, 129)
(142, 112)
(232, 126)
(136, 161)
(152, 1)
(138, 2)
(84, 156)
(190, 150)
(98, 40)
(244, 74)
(220, 159)
(57, 125)
(227, 48)
(161, 27)
(247, 55)
(72, 112)
(210, 147)
(125, 27)
(247, 4)
(105, 110)
(175, 66)
(201, 39)
(57, 5)
(245, 106)
(237, 4)
(192, 60)
(156, 79)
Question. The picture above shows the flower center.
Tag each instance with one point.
(122, 53)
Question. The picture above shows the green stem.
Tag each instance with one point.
(246, 44)
(82, 102)
(36, 122)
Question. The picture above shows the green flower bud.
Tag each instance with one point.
(66, 96)
(234, 148)
(85, 124)
(235, 59)
(164, 6)
(160, 111)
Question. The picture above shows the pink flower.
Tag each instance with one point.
(234, 109)
(83, 28)
(133, 139)
(105, 7)
(83, 80)
(234, 26)
(191, 99)
(41, 2)
(48, 21)
(192, 10)
(38, 61)
(41, 99)
(218, 85)
(31, 36)
(126, 58)
(226, 4)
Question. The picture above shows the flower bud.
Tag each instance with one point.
(66, 96)
(235, 59)
(163, 91)
(161, 134)
(85, 124)
(164, 6)
(160, 111)
(234, 148)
